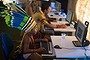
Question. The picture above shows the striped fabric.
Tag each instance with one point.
(20, 21)
(18, 18)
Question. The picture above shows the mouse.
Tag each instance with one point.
(56, 13)
(57, 46)
(51, 15)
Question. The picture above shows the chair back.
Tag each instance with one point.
(7, 44)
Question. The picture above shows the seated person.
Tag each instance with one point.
(29, 47)
(41, 20)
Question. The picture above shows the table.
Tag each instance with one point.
(69, 29)
(68, 49)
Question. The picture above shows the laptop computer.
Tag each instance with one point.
(47, 46)
(69, 17)
(80, 34)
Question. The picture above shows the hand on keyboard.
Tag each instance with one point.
(44, 40)
(61, 26)
(40, 50)
(41, 40)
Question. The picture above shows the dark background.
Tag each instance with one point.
(64, 5)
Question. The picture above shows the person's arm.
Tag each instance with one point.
(51, 25)
(27, 49)
(44, 21)
(28, 10)
(54, 25)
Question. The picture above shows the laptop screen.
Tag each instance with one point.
(69, 16)
(53, 6)
(80, 32)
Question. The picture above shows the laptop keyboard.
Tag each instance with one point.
(47, 46)
(76, 43)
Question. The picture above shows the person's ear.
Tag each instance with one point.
(45, 10)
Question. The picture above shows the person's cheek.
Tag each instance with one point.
(35, 31)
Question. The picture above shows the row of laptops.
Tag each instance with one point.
(48, 46)
(69, 17)
(80, 34)
(81, 30)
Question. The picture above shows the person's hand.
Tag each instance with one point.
(61, 26)
(44, 40)
(41, 40)
(40, 50)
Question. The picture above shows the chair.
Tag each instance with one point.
(1, 52)
(8, 46)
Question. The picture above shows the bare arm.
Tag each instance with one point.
(54, 25)
(51, 25)
(28, 44)
(28, 9)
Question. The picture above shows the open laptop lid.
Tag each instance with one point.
(69, 17)
(81, 32)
